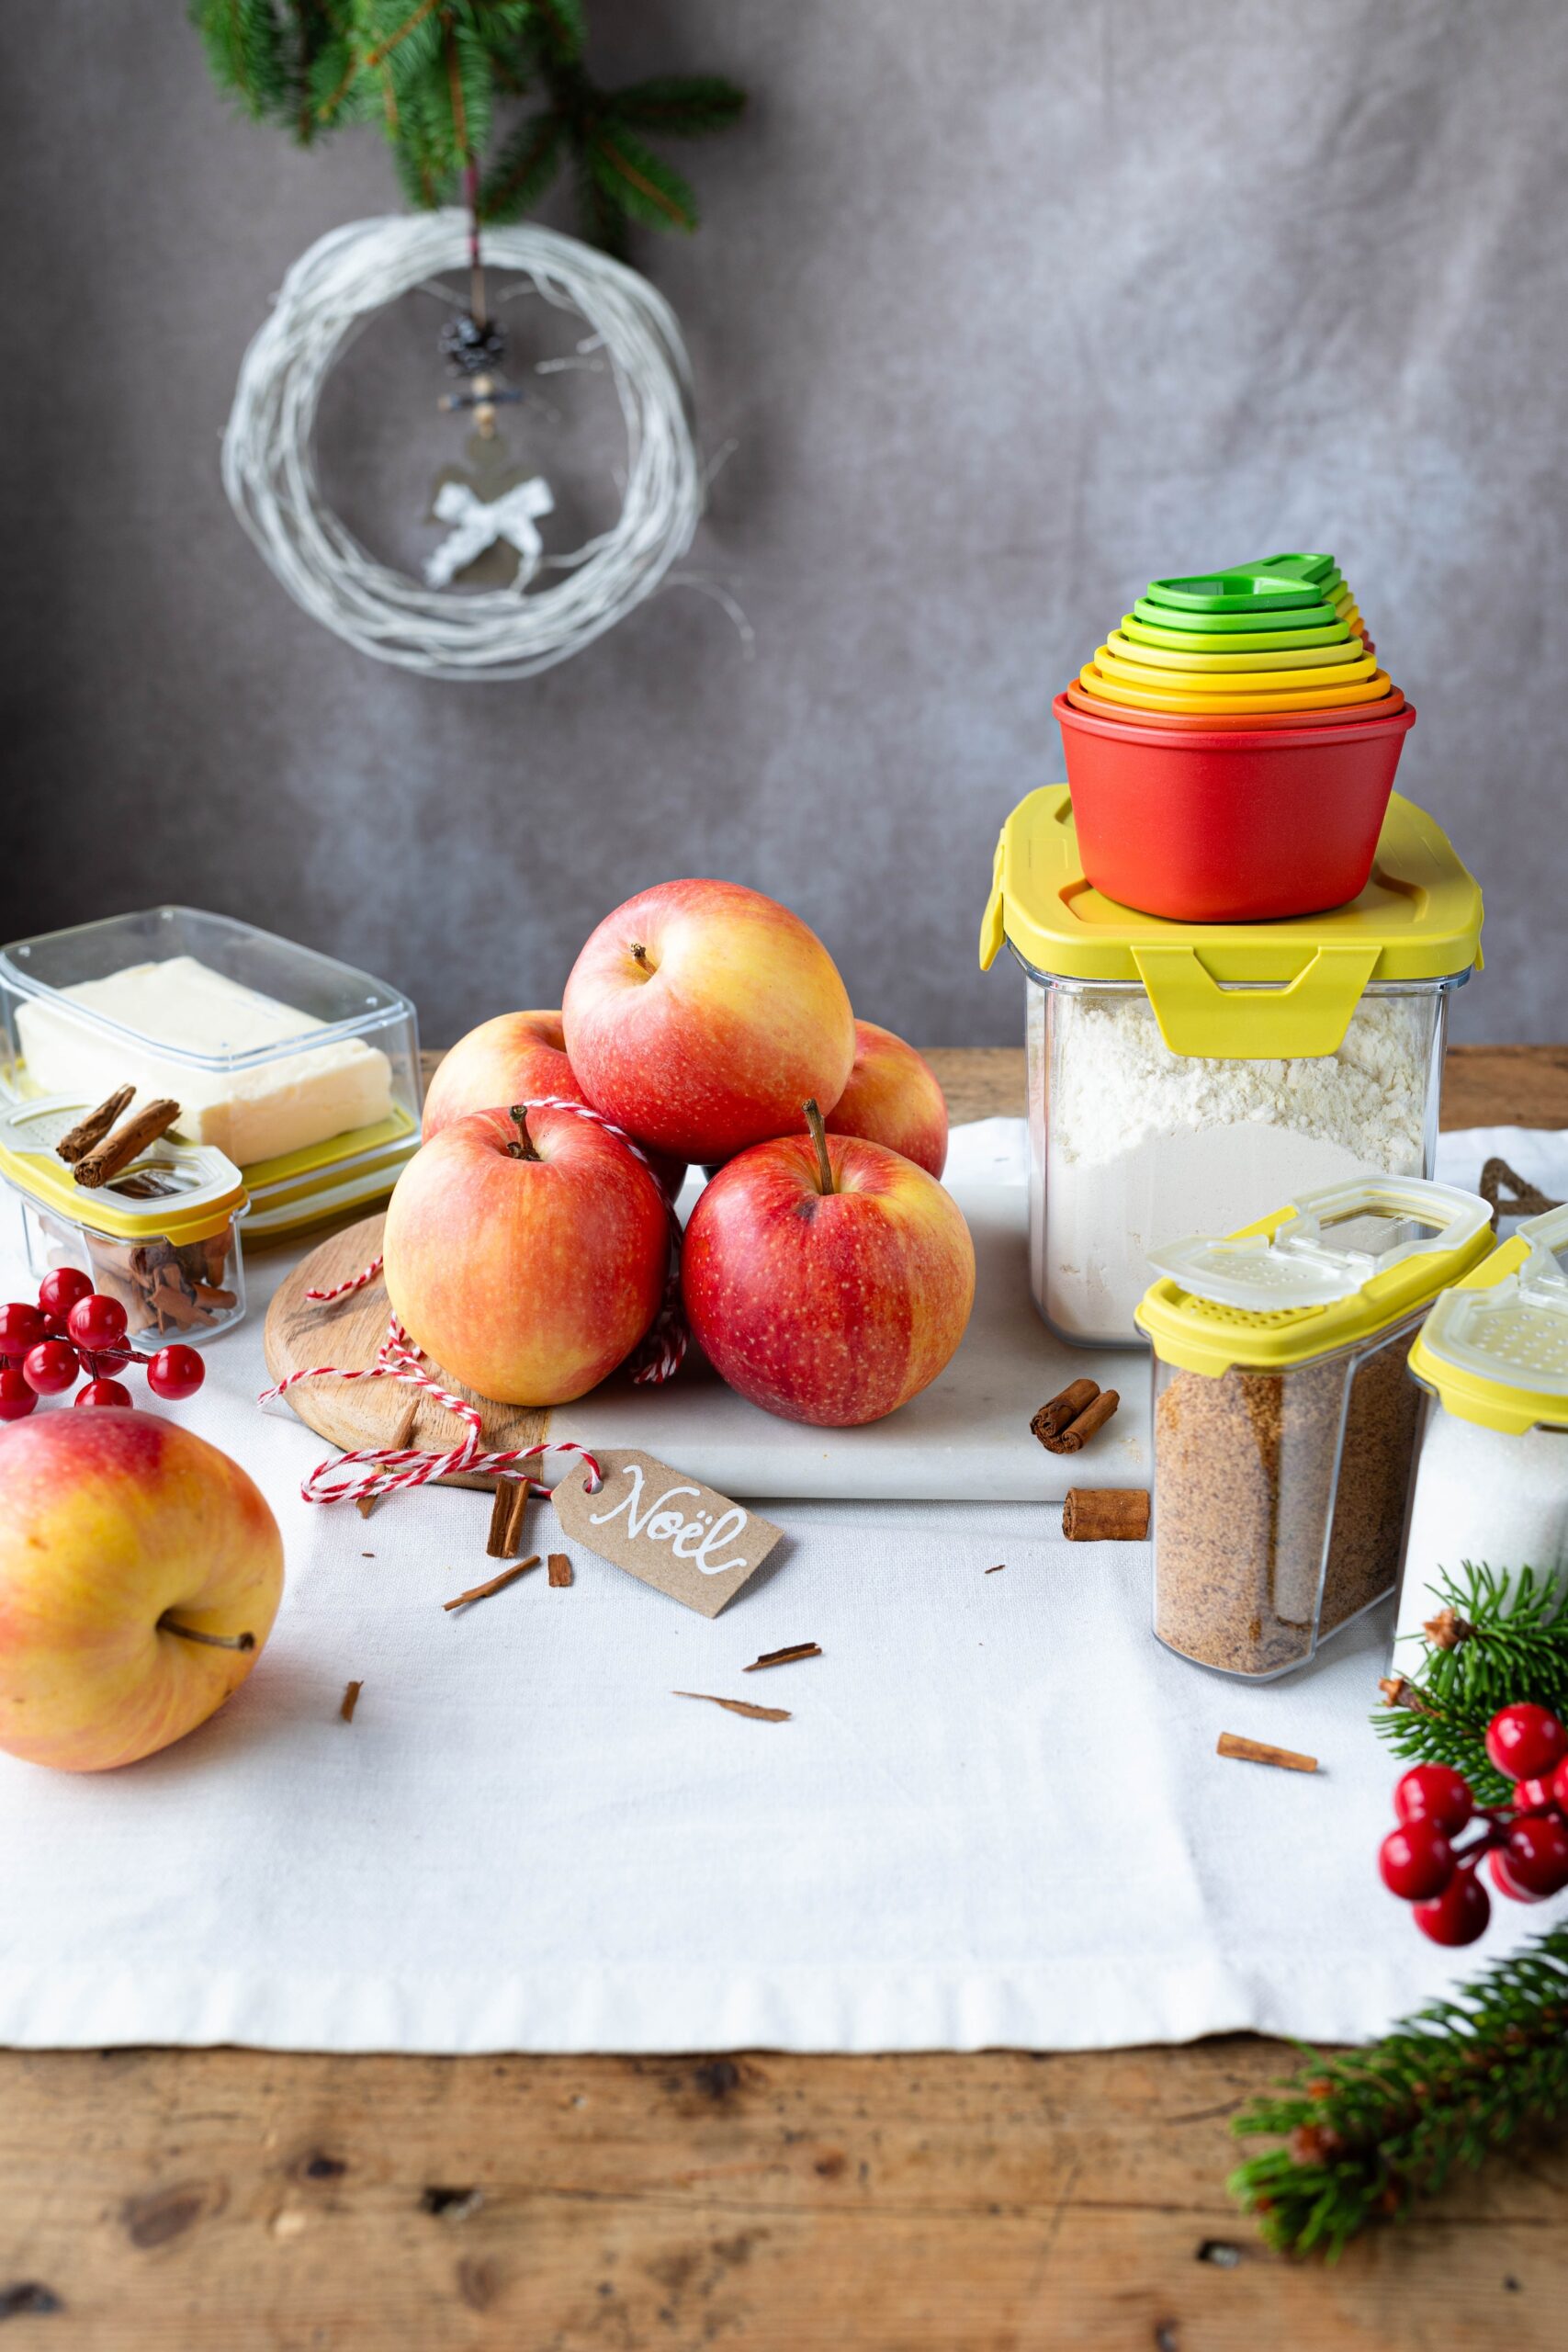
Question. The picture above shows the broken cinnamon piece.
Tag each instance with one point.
(738, 1706)
(365, 1505)
(505, 1538)
(94, 1126)
(559, 1568)
(496, 1584)
(1259, 1751)
(1106, 1515)
(1054, 1417)
(1076, 1436)
(998, 1569)
(350, 1700)
(784, 1657)
(128, 1142)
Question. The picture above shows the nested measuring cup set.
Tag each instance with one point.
(1231, 747)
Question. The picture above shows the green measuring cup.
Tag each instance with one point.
(1310, 614)
(1248, 588)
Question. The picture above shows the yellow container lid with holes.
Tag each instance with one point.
(200, 1193)
(1238, 991)
(1329, 1271)
(1494, 1348)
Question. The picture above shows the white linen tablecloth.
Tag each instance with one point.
(996, 1816)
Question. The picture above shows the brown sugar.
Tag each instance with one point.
(1247, 1503)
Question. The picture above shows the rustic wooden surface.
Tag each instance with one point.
(241, 2201)
(299, 1332)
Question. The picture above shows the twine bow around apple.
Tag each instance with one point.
(381, 1470)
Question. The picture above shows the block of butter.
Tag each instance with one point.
(256, 1110)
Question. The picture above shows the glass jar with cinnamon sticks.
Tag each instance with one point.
(154, 1223)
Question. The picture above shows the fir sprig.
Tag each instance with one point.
(434, 73)
(1368, 2133)
(1505, 1638)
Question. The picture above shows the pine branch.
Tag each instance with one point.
(681, 106)
(1508, 1640)
(524, 170)
(1369, 2133)
(636, 180)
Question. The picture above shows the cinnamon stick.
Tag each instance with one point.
(496, 1584)
(783, 1657)
(559, 1568)
(128, 1142)
(1259, 1751)
(350, 1691)
(1054, 1416)
(505, 1538)
(1106, 1515)
(94, 1126)
(1077, 1434)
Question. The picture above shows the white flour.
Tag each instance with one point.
(1482, 1497)
(1145, 1145)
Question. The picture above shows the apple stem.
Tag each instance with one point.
(167, 1624)
(522, 1145)
(639, 955)
(819, 1138)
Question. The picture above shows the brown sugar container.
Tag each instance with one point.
(1285, 1420)
(161, 1237)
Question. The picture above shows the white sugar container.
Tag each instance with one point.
(1491, 1482)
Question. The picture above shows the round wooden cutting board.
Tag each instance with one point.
(301, 1332)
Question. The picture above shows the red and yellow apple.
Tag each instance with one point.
(526, 1256)
(516, 1058)
(135, 1561)
(893, 1098)
(701, 1015)
(829, 1281)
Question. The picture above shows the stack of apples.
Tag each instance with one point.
(825, 1274)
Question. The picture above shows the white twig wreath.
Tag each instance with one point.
(269, 470)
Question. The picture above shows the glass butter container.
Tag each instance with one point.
(1192, 1075)
(1285, 1421)
(301, 1071)
(162, 1237)
(1491, 1482)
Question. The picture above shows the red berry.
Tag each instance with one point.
(1560, 1784)
(1505, 1881)
(1533, 1796)
(1537, 1848)
(60, 1289)
(16, 1399)
(1459, 1914)
(1416, 1860)
(1434, 1792)
(51, 1367)
(1526, 1742)
(96, 1323)
(176, 1373)
(21, 1328)
(104, 1392)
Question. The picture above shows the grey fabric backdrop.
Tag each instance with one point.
(1006, 307)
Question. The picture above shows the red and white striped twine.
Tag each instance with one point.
(384, 1469)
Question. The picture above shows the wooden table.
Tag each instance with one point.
(157, 2200)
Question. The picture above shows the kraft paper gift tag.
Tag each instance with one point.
(665, 1528)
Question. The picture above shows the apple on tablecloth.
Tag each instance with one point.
(526, 1254)
(701, 1015)
(135, 1559)
(893, 1098)
(826, 1279)
(515, 1058)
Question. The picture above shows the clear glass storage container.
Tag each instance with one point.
(162, 1237)
(1491, 1482)
(1285, 1421)
(1186, 1077)
(301, 1070)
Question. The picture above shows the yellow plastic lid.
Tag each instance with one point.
(1334, 1268)
(1494, 1348)
(204, 1189)
(1239, 991)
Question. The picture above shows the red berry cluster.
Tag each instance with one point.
(45, 1350)
(1525, 1842)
